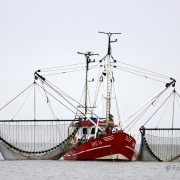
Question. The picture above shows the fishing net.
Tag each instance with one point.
(160, 145)
(35, 139)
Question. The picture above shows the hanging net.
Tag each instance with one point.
(46, 139)
(160, 144)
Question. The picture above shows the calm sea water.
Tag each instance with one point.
(89, 170)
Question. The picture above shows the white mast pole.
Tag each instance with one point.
(109, 79)
(108, 97)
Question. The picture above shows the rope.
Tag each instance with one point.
(94, 66)
(173, 108)
(144, 72)
(63, 66)
(16, 97)
(69, 71)
(23, 103)
(157, 109)
(138, 137)
(139, 116)
(143, 69)
(164, 112)
(142, 76)
(64, 72)
(65, 94)
(97, 82)
(177, 100)
(58, 100)
(177, 94)
(48, 104)
(34, 101)
(63, 69)
(152, 100)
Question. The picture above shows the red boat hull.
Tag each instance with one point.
(115, 146)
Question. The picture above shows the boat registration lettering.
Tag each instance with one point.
(96, 143)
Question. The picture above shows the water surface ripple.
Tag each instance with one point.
(89, 170)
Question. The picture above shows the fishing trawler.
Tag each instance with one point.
(89, 136)
(102, 138)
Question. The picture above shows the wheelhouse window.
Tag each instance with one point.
(93, 131)
(84, 130)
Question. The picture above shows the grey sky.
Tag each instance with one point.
(40, 34)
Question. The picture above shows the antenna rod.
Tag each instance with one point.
(109, 40)
(87, 55)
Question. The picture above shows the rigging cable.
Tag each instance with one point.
(158, 109)
(16, 96)
(55, 117)
(92, 67)
(177, 100)
(65, 94)
(23, 103)
(97, 81)
(66, 100)
(177, 94)
(68, 71)
(152, 100)
(62, 92)
(164, 112)
(142, 75)
(62, 66)
(34, 114)
(142, 72)
(143, 69)
(138, 136)
(173, 107)
(62, 69)
(57, 99)
(34, 100)
(64, 72)
(138, 117)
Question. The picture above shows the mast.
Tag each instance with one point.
(88, 60)
(109, 79)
